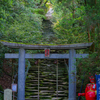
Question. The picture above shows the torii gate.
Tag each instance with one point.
(22, 56)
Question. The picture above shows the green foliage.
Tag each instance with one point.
(77, 21)
(24, 30)
(69, 25)
(1, 89)
(1, 95)
(72, 19)
(20, 22)
(2, 51)
(87, 67)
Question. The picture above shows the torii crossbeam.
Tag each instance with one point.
(22, 56)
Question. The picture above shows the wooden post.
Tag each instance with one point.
(38, 80)
(72, 75)
(57, 80)
(13, 95)
(21, 75)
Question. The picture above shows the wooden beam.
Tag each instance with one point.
(42, 56)
(51, 47)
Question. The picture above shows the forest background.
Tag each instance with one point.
(73, 21)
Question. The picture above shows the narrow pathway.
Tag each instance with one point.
(48, 33)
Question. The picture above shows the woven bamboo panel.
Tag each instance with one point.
(47, 81)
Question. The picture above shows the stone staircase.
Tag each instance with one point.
(47, 81)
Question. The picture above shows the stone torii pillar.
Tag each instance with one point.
(72, 74)
(71, 56)
(21, 75)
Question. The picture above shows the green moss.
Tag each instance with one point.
(42, 44)
(25, 43)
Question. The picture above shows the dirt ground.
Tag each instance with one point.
(5, 78)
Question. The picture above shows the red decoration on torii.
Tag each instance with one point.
(47, 52)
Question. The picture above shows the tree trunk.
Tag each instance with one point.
(98, 39)
(88, 35)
